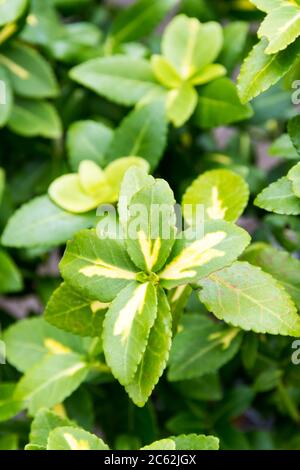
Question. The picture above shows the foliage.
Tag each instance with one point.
(187, 338)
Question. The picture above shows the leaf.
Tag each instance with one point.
(281, 27)
(280, 264)
(138, 20)
(260, 71)
(200, 347)
(6, 97)
(223, 194)
(42, 223)
(122, 79)
(267, 5)
(44, 422)
(30, 73)
(156, 355)
(284, 148)
(293, 130)
(10, 276)
(165, 72)
(151, 227)
(51, 380)
(245, 296)
(219, 104)
(71, 438)
(11, 10)
(9, 407)
(190, 45)
(196, 442)
(97, 268)
(163, 444)
(88, 140)
(235, 41)
(35, 118)
(70, 311)
(126, 329)
(117, 169)
(279, 197)
(68, 192)
(142, 133)
(294, 177)
(30, 341)
(2, 183)
(135, 179)
(181, 104)
(196, 255)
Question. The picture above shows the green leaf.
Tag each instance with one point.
(156, 355)
(294, 176)
(235, 41)
(138, 20)
(2, 183)
(70, 438)
(195, 256)
(6, 97)
(75, 313)
(30, 341)
(223, 194)
(163, 444)
(9, 407)
(151, 227)
(127, 328)
(69, 193)
(279, 197)
(10, 276)
(283, 148)
(293, 130)
(245, 296)
(30, 73)
(135, 179)
(200, 347)
(11, 10)
(88, 140)
(181, 104)
(165, 72)
(196, 442)
(219, 104)
(122, 79)
(42, 223)
(51, 380)
(260, 71)
(9, 442)
(190, 45)
(117, 169)
(44, 422)
(98, 268)
(142, 133)
(35, 118)
(267, 5)
(281, 27)
(280, 264)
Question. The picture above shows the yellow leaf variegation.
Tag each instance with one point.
(194, 256)
(127, 327)
(222, 193)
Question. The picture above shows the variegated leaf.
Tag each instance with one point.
(156, 355)
(222, 193)
(151, 226)
(196, 256)
(126, 329)
(97, 268)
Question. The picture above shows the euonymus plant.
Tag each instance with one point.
(129, 320)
